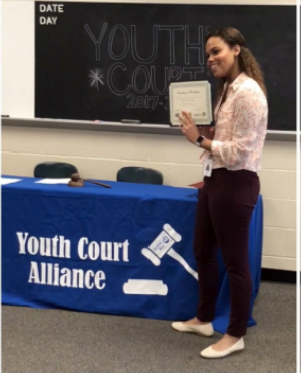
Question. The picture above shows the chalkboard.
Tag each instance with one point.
(114, 61)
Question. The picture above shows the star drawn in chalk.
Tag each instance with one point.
(96, 76)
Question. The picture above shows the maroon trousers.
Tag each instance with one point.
(224, 212)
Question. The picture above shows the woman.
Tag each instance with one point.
(226, 202)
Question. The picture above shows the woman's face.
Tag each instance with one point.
(220, 57)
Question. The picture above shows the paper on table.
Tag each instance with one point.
(5, 181)
(53, 181)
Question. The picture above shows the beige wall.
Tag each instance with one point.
(100, 154)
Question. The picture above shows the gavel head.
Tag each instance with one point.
(76, 181)
(75, 177)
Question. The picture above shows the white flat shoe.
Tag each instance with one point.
(204, 330)
(210, 353)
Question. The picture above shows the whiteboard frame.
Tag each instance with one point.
(147, 128)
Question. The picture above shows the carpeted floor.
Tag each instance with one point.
(62, 341)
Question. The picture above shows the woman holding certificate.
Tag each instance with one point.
(231, 160)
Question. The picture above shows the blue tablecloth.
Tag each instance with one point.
(82, 249)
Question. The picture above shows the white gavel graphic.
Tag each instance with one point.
(163, 245)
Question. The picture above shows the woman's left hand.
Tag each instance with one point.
(188, 127)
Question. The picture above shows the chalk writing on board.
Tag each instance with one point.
(97, 42)
(96, 77)
(130, 42)
(144, 73)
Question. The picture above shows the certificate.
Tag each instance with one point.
(192, 97)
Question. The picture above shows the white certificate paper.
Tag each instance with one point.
(192, 97)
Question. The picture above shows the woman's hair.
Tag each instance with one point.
(247, 61)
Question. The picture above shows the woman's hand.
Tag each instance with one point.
(191, 131)
(188, 127)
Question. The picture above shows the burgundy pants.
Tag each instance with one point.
(224, 212)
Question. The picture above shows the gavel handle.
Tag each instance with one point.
(181, 260)
(101, 184)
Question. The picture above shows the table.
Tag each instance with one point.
(86, 249)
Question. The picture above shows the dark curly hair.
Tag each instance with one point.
(247, 61)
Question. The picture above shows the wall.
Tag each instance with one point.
(101, 154)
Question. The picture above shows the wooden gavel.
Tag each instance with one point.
(76, 181)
